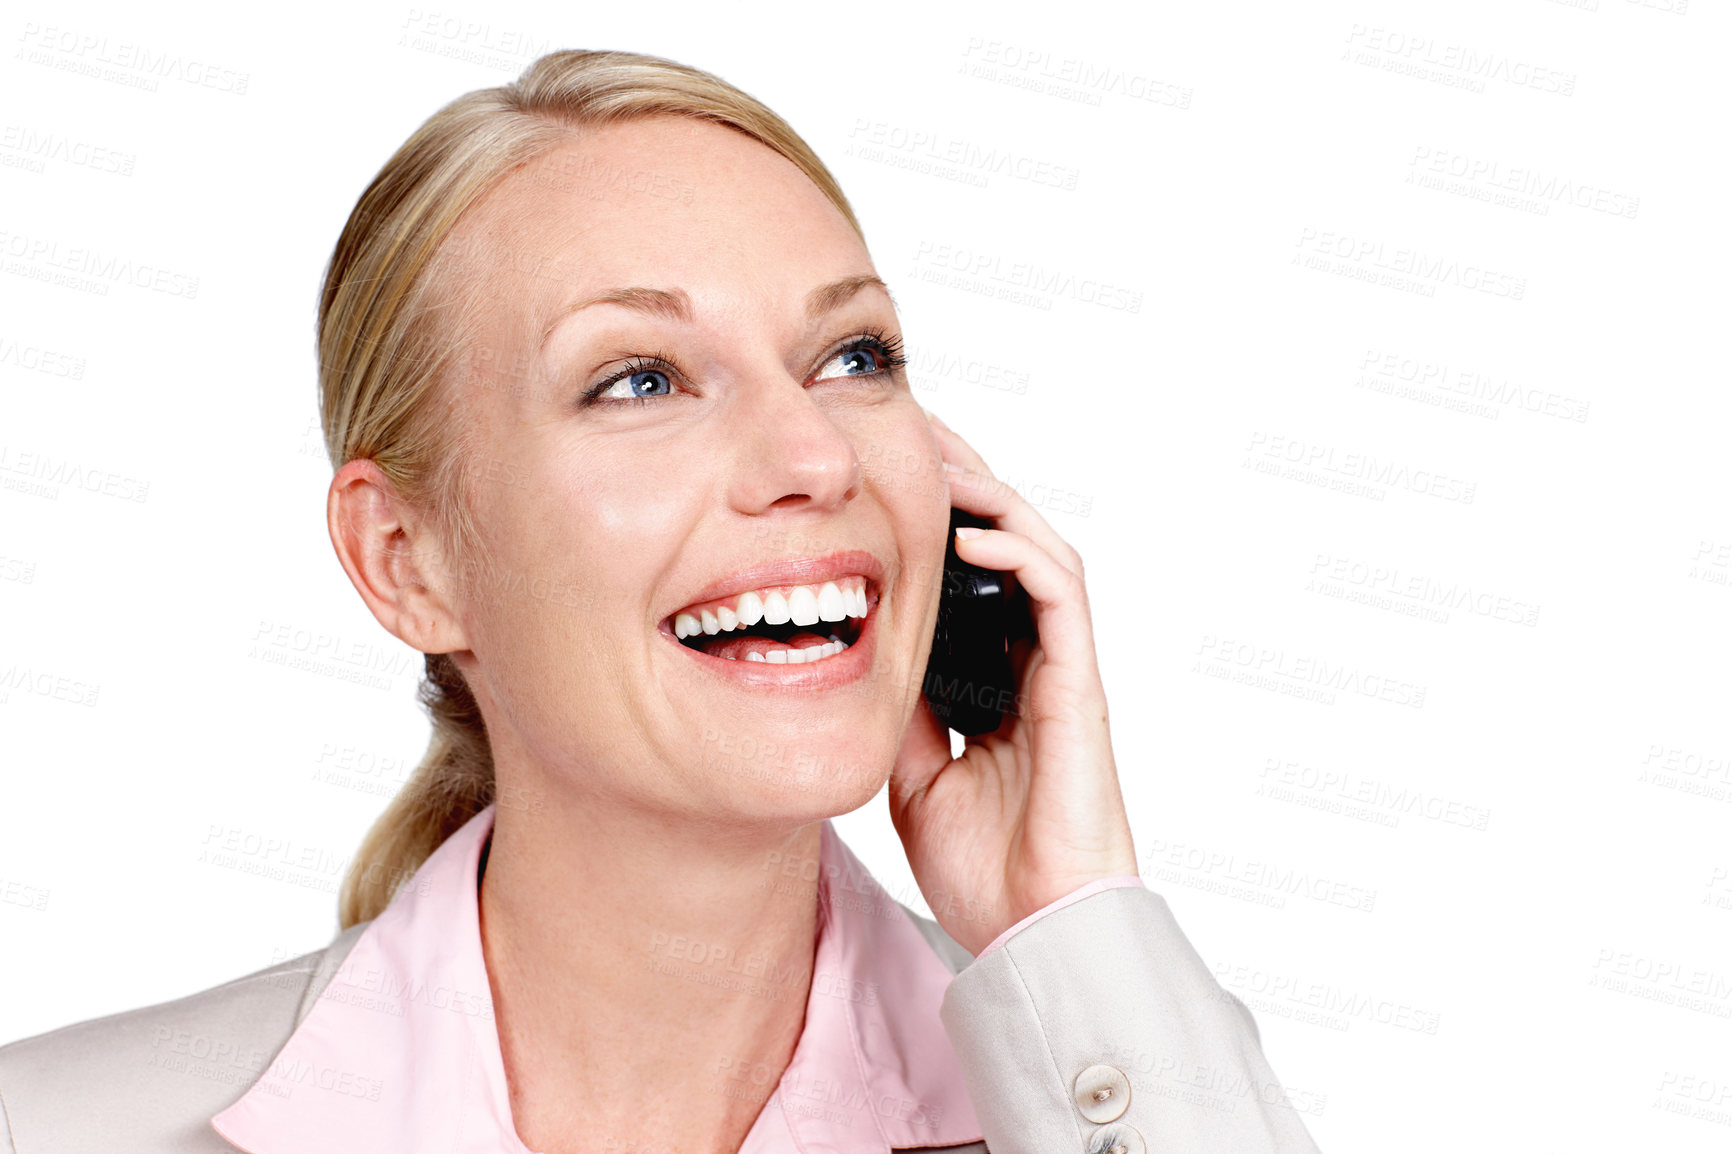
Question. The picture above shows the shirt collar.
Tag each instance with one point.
(401, 1052)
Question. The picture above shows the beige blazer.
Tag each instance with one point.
(1096, 1029)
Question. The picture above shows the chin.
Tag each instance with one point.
(796, 772)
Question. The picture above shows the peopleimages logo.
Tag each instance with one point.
(1370, 257)
(1263, 882)
(36, 359)
(1462, 389)
(1382, 583)
(40, 258)
(38, 148)
(1541, 188)
(1268, 452)
(135, 65)
(1295, 779)
(1070, 78)
(881, 141)
(1425, 57)
(1264, 666)
(1023, 278)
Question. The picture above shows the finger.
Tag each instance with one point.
(1027, 520)
(954, 449)
(922, 756)
(989, 497)
(1058, 600)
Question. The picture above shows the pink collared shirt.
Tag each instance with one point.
(401, 1051)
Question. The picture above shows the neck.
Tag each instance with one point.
(638, 966)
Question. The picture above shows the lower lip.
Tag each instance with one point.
(843, 668)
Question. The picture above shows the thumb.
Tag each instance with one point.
(925, 750)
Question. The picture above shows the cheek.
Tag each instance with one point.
(901, 462)
(572, 544)
(900, 458)
(613, 524)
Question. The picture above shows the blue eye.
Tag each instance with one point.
(643, 383)
(857, 361)
(870, 354)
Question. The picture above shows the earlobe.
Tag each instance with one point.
(392, 558)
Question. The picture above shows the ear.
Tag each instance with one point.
(393, 557)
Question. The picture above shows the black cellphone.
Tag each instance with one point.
(969, 683)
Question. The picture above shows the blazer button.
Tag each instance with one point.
(1117, 1139)
(1102, 1093)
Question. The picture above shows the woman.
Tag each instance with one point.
(623, 446)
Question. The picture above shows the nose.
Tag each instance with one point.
(791, 454)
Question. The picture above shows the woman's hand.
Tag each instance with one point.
(1032, 811)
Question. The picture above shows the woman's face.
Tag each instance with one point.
(681, 393)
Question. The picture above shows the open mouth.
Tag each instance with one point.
(780, 624)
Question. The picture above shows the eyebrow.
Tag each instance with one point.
(675, 305)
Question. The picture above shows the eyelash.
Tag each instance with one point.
(888, 349)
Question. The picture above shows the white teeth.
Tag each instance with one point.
(803, 605)
(831, 606)
(799, 656)
(812, 652)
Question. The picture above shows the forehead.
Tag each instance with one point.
(667, 201)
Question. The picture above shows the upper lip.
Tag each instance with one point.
(792, 571)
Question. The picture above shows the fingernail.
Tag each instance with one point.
(966, 532)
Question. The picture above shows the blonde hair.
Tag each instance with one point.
(391, 333)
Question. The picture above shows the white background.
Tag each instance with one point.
(1436, 771)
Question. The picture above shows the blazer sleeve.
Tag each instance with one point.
(1095, 1026)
